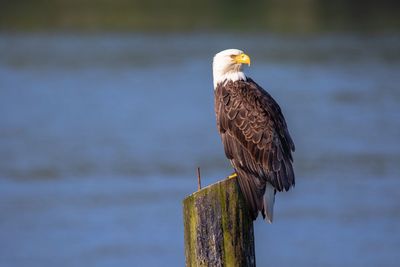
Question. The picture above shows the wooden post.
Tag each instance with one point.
(218, 229)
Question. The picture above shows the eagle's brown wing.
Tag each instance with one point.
(255, 138)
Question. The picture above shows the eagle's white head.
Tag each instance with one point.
(227, 66)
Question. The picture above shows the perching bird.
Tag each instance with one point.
(253, 132)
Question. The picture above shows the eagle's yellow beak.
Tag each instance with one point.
(242, 59)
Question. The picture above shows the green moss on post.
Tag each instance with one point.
(218, 229)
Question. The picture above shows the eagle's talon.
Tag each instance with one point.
(233, 175)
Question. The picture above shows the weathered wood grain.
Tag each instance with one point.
(218, 228)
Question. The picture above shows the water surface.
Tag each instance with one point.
(100, 136)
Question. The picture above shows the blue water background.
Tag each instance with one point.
(100, 136)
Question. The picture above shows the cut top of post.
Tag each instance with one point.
(218, 227)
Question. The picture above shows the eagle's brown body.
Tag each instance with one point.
(256, 140)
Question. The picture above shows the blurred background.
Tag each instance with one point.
(106, 110)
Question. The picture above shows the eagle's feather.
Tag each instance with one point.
(256, 141)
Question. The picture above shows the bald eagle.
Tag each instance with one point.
(253, 132)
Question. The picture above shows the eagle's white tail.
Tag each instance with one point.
(269, 200)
